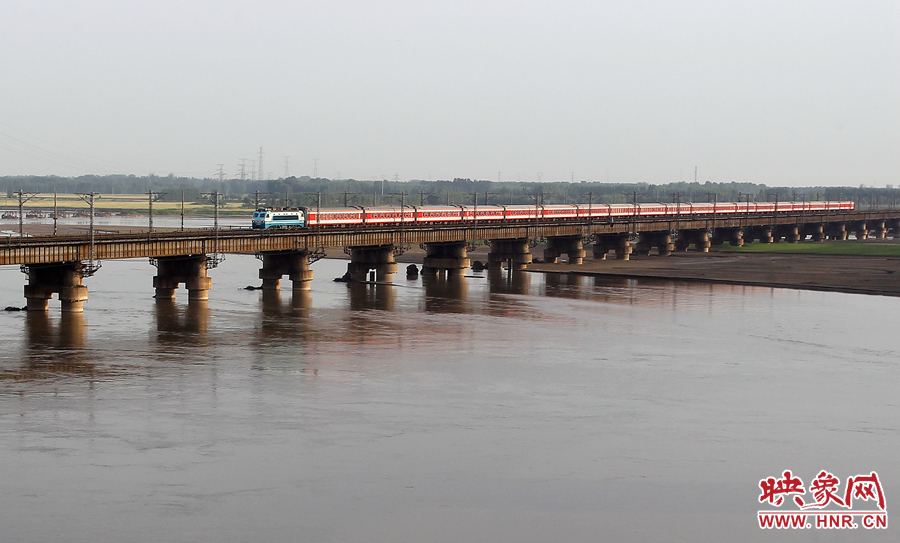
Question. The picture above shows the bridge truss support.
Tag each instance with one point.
(511, 253)
(174, 270)
(451, 258)
(294, 264)
(697, 238)
(571, 246)
(64, 279)
(379, 258)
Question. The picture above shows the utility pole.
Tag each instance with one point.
(23, 197)
(257, 193)
(318, 201)
(89, 198)
(220, 172)
(153, 197)
(242, 167)
(182, 211)
(214, 198)
(55, 213)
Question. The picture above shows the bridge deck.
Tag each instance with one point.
(53, 249)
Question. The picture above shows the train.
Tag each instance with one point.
(303, 217)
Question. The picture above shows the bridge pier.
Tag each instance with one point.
(452, 258)
(190, 270)
(878, 228)
(836, 230)
(698, 238)
(571, 246)
(790, 233)
(734, 236)
(379, 258)
(860, 229)
(895, 228)
(512, 253)
(605, 243)
(294, 264)
(661, 240)
(761, 233)
(816, 231)
(64, 279)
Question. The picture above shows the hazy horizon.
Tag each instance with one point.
(790, 93)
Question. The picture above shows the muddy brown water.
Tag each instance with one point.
(506, 408)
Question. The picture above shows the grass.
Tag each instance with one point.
(848, 248)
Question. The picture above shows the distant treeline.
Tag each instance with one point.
(308, 191)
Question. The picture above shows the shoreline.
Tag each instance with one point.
(868, 275)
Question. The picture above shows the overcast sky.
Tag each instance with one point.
(787, 92)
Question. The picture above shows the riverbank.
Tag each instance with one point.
(852, 274)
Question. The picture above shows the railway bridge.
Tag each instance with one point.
(58, 264)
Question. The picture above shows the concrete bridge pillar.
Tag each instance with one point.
(379, 258)
(623, 247)
(64, 279)
(734, 236)
(450, 257)
(607, 242)
(749, 234)
(571, 246)
(644, 243)
(878, 228)
(895, 228)
(861, 229)
(664, 245)
(790, 232)
(661, 240)
(513, 253)
(697, 238)
(836, 230)
(816, 231)
(294, 264)
(174, 270)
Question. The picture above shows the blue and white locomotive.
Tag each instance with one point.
(279, 218)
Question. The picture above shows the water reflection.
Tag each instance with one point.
(559, 285)
(273, 304)
(181, 324)
(364, 297)
(508, 282)
(445, 294)
(53, 346)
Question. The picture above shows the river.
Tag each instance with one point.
(497, 409)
